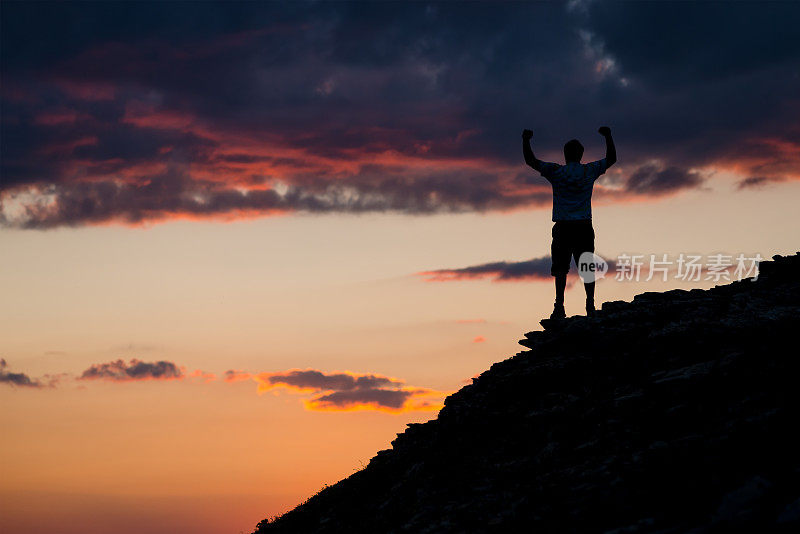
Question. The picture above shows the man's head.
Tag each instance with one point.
(573, 151)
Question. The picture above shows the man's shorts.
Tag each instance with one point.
(570, 240)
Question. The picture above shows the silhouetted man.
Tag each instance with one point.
(572, 209)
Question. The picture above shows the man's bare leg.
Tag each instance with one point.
(561, 284)
(558, 308)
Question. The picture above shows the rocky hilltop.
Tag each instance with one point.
(676, 412)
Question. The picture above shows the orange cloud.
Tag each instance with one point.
(204, 376)
(233, 375)
(346, 391)
(382, 400)
(479, 339)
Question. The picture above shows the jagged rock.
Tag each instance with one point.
(676, 412)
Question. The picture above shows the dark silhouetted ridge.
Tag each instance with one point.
(676, 412)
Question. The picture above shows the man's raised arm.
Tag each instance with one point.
(611, 150)
(527, 151)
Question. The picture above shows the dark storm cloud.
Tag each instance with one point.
(649, 179)
(174, 192)
(119, 371)
(709, 79)
(697, 42)
(371, 107)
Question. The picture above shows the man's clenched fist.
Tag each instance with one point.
(605, 131)
(527, 134)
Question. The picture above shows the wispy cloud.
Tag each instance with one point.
(497, 271)
(536, 269)
(202, 375)
(134, 347)
(233, 375)
(753, 182)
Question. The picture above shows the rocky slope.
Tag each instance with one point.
(677, 412)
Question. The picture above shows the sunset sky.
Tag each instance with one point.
(242, 245)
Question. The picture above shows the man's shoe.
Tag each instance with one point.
(558, 312)
(590, 310)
